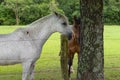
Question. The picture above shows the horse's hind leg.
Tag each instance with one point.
(26, 70)
(70, 63)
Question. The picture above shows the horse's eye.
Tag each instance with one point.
(64, 23)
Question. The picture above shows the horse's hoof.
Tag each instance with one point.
(72, 71)
(69, 78)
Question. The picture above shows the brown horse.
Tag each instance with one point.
(74, 43)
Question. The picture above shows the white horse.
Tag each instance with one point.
(24, 45)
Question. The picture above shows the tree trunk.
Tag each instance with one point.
(17, 18)
(16, 13)
(91, 59)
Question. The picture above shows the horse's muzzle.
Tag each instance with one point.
(69, 35)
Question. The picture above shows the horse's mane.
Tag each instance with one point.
(37, 23)
(34, 24)
(41, 20)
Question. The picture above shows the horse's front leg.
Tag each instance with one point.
(26, 69)
(32, 71)
(70, 63)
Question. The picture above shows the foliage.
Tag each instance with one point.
(26, 11)
(33, 12)
(70, 7)
(112, 11)
(6, 16)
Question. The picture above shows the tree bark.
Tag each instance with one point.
(91, 59)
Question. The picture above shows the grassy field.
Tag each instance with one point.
(48, 66)
(112, 52)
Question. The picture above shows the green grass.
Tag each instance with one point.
(48, 66)
(112, 52)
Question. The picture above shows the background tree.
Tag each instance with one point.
(1, 1)
(26, 11)
(6, 16)
(14, 6)
(91, 59)
(32, 11)
(54, 6)
(112, 11)
(70, 8)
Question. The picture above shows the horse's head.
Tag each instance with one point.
(76, 26)
(61, 24)
(76, 29)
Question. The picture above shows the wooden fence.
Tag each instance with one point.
(64, 57)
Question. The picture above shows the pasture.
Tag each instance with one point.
(48, 66)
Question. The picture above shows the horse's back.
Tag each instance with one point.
(16, 35)
(12, 47)
(4, 37)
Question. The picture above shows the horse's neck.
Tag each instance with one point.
(44, 35)
(39, 32)
(41, 35)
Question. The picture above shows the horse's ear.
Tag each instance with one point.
(75, 18)
(56, 13)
